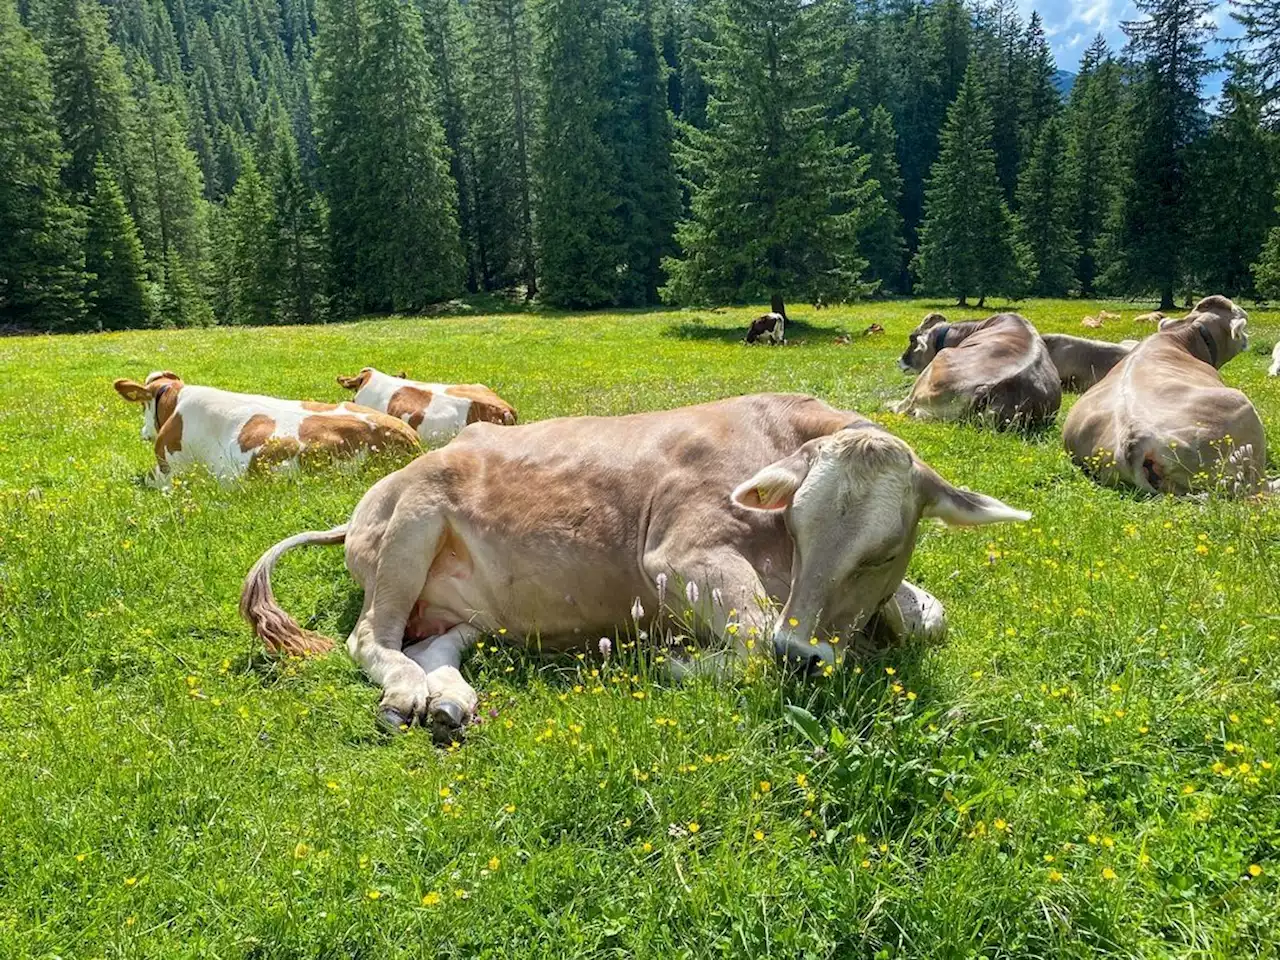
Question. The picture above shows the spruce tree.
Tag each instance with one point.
(1045, 194)
(1038, 100)
(181, 302)
(1005, 70)
(501, 109)
(1260, 46)
(444, 25)
(967, 244)
(394, 218)
(1234, 176)
(1266, 270)
(41, 259)
(642, 137)
(116, 290)
(253, 282)
(880, 239)
(300, 249)
(1093, 117)
(776, 198)
(578, 232)
(1151, 230)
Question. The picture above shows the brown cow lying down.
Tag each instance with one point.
(1162, 420)
(437, 411)
(566, 530)
(769, 328)
(230, 433)
(1081, 362)
(997, 368)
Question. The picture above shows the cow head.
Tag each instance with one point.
(924, 342)
(357, 382)
(159, 396)
(852, 502)
(1219, 323)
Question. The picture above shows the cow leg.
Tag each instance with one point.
(911, 614)
(453, 701)
(731, 601)
(375, 643)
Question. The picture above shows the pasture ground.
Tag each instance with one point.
(1088, 767)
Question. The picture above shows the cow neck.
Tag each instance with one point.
(161, 394)
(1209, 343)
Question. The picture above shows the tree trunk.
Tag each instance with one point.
(1166, 298)
(777, 306)
(982, 301)
(963, 301)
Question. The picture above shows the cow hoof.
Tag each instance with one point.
(392, 720)
(448, 722)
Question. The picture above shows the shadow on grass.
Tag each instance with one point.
(699, 329)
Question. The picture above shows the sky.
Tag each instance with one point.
(1071, 25)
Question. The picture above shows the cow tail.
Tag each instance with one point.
(279, 631)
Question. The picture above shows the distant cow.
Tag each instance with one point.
(230, 433)
(437, 411)
(1155, 316)
(997, 368)
(567, 530)
(1081, 362)
(767, 329)
(1162, 419)
(1275, 362)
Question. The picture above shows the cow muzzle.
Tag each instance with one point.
(803, 656)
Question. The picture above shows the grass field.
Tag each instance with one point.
(1088, 767)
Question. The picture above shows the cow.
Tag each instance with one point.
(565, 530)
(232, 433)
(1163, 421)
(1155, 316)
(998, 368)
(1275, 362)
(1082, 362)
(437, 411)
(768, 328)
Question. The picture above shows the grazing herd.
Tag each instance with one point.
(771, 522)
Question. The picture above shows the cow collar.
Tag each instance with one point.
(160, 393)
(937, 335)
(1208, 342)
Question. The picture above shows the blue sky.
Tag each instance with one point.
(1071, 25)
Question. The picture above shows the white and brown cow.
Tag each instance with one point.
(1082, 362)
(1163, 420)
(997, 369)
(1275, 362)
(231, 433)
(437, 411)
(565, 530)
(768, 328)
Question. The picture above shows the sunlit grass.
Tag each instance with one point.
(1088, 766)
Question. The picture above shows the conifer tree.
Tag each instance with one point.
(446, 42)
(578, 232)
(253, 282)
(1266, 270)
(776, 198)
(1093, 118)
(1038, 100)
(642, 138)
(1005, 69)
(1045, 193)
(41, 259)
(1151, 230)
(393, 205)
(1260, 46)
(501, 112)
(299, 242)
(1234, 175)
(880, 239)
(181, 302)
(116, 290)
(967, 243)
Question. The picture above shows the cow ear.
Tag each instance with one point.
(771, 490)
(1167, 322)
(402, 375)
(1238, 325)
(961, 508)
(133, 392)
(356, 382)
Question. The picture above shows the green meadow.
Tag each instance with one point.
(1089, 765)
